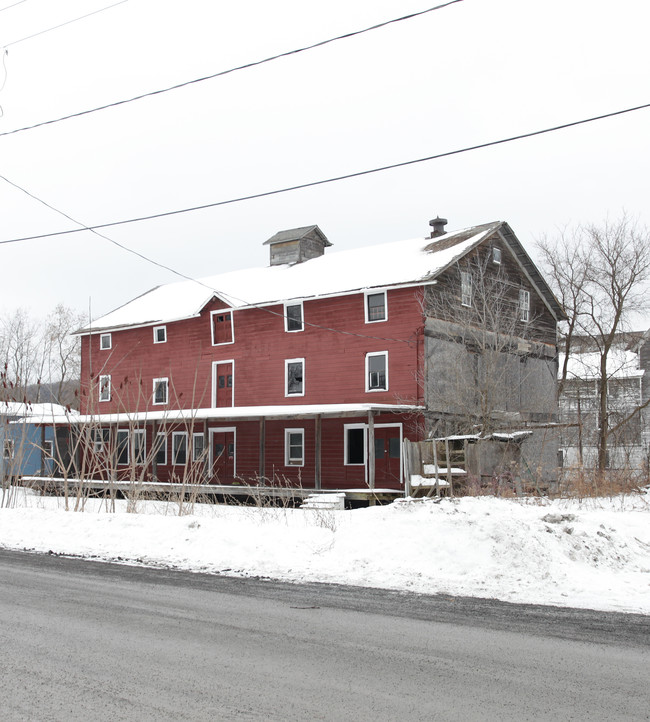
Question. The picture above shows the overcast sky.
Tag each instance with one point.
(473, 72)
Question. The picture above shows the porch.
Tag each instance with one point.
(279, 452)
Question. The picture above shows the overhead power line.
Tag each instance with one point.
(60, 25)
(225, 296)
(13, 5)
(221, 73)
(6, 7)
(333, 179)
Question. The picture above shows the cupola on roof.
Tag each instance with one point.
(297, 245)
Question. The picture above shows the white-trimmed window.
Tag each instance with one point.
(496, 255)
(179, 448)
(466, 288)
(375, 306)
(160, 391)
(161, 449)
(294, 447)
(122, 447)
(100, 438)
(294, 377)
(160, 334)
(524, 305)
(293, 317)
(198, 447)
(105, 388)
(139, 444)
(377, 371)
(105, 341)
(221, 327)
(354, 444)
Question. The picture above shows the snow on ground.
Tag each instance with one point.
(593, 553)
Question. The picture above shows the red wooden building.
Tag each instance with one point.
(310, 371)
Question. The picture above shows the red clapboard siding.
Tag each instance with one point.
(334, 362)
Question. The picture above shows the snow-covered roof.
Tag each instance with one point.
(621, 363)
(237, 412)
(34, 412)
(511, 436)
(385, 265)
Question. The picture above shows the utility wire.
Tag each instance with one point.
(224, 72)
(13, 5)
(56, 27)
(334, 179)
(225, 296)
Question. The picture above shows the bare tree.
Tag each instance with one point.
(64, 352)
(601, 273)
(36, 353)
(484, 337)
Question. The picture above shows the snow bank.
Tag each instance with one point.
(594, 555)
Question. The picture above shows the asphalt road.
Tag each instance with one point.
(82, 640)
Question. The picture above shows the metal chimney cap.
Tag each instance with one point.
(438, 225)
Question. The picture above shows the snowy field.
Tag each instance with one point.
(593, 553)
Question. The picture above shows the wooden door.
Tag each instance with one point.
(223, 383)
(223, 456)
(388, 457)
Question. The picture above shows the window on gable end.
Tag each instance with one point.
(293, 317)
(496, 255)
(160, 334)
(294, 377)
(222, 327)
(377, 371)
(466, 288)
(524, 305)
(376, 307)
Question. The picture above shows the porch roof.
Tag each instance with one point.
(239, 413)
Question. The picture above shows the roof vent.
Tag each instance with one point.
(297, 245)
(438, 226)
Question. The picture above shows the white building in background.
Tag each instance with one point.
(628, 403)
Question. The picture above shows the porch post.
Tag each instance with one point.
(371, 450)
(262, 464)
(317, 452)
(206, 452)
(43, 450)
(154, 449)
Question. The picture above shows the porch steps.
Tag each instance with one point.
(324, 501)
